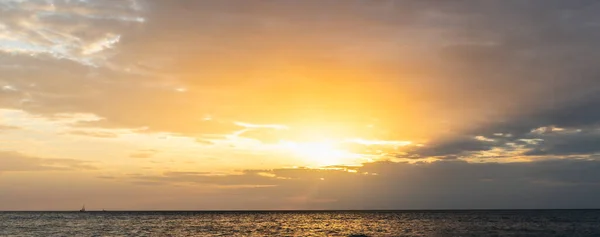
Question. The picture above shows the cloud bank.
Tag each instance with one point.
(491, 103)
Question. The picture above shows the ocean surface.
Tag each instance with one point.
(308, 223)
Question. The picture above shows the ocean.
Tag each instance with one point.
(304, 223)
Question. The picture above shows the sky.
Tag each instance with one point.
(299, 104)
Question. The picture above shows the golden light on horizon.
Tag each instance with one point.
(318, 143)
(320, 153)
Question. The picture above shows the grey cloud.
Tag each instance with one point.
(455, 184)
(556, 183)
(573, 142)
(542, 141)
(581, 112)
(577, 113)
(538, 53)
(454, 146)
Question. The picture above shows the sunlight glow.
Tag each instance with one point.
(248, 125)
(376, 142)
(322, 153)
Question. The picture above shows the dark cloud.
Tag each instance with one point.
(580, 112)
(541, 141)
(455, 146)
(570, 142)
(556, 183)
(577, 113)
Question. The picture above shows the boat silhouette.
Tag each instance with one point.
(82, 209)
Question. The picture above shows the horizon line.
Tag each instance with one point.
(313, 210)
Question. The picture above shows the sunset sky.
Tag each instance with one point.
(299, 104)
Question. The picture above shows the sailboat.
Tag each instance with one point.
(82, 209)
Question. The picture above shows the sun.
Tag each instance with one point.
(320, 153)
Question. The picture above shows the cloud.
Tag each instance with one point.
(208, 178)
(204, 141)
(143, 154)
(78, 31)
(8, 127)
(568, 142)
(106, 177)
(443, 73)
(542, 141)
(97, 134)
(555, 183)
(14, 161)
(466, 82)
(455, 146)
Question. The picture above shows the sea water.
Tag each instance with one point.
(304, 223)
